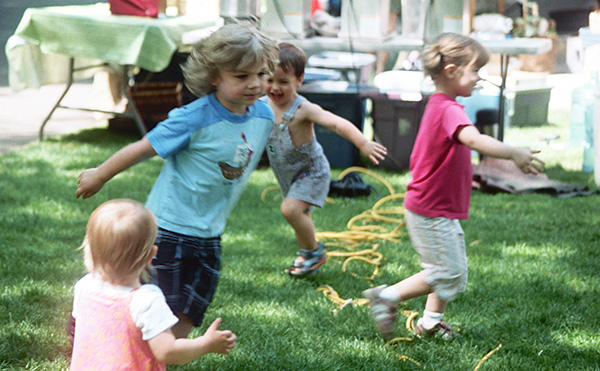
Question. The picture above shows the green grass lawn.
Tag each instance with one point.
(533, 271)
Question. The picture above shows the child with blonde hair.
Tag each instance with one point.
(210, 147)
(123, 324)
(296, 157)
(438, 195)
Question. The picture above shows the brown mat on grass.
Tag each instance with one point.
(496, 175)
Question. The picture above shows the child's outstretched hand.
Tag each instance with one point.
(170, 350)
(89, 183)
(219, 341)
(374, 151)
(526, 161)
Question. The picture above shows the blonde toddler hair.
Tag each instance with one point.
(451, 48)
(232, 47)
(119, 238)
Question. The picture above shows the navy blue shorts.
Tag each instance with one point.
(187, 271)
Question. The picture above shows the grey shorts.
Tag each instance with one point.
(187, 271)
(441, 244)
(310, 188)
(303, 174)
(306, 179)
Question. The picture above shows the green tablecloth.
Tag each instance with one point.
(92, 33)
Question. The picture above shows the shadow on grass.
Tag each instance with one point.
(569, 176)
(98, 136)
(533, 284)
(41, 227)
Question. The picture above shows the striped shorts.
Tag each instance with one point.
(187, 271)
(441, 244)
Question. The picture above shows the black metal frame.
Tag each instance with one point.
(126, 80)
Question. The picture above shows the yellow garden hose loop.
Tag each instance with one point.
(263, 195)
(368, 172)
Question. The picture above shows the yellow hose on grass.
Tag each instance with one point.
(486, 357)
(357, 234)
(376, 223)
(332, 295)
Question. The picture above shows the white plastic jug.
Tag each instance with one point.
(582, 122)
(240, 9)
(413, 18)
(597, 131)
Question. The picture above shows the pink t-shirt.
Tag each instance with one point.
(440, 165)
(114, 324)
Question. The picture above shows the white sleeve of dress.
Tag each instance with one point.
(150, 311)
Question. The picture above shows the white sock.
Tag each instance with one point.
(389, 293)
(430, 319)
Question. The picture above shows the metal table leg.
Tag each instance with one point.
(126, 80)
(501, 99)
(57, 105)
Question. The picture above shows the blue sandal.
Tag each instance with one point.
(311, 264)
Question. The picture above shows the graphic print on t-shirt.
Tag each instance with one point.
(243, 154)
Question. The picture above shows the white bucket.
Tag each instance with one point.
(398, 80)
(407, 85)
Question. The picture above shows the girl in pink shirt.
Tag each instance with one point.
(439, 193)
(122, 324)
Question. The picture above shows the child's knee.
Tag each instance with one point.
(291, 209)
(287, 210)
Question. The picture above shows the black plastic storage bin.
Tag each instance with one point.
(345, 100)
(395, 125)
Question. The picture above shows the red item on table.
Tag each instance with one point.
(142, 8)
(314, 7)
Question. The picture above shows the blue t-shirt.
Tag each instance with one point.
(209, 154)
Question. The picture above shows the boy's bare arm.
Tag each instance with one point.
(347, 130)
(90, 181)
(170, 350)
(488, 146)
